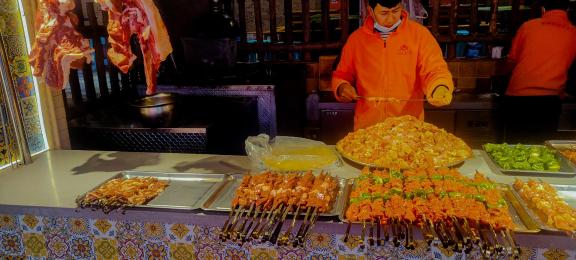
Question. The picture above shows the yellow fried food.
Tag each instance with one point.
(570, 154)
(404, 142)
(546, 203)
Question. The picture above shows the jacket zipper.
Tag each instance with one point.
(386, 93)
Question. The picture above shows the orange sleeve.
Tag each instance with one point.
(345, 72)
(432, 68)
(514, 52)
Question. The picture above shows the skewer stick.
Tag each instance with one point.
(395, 235)
(371, 234)
(244, 236)
(386, 234)
(378, 238)
(232, 225)
(268, 228)
(347, 232)
(246, 218)
(400, 229)
(516, 250)
(229, 225)
(442, 235)
(452, 239)
(506, 242)
(276, 232)
(465, 236)
(362, 237)
(309, 227)
(428, 236)
(487, 247)
(284, 239)
(473, 232)
(410, 237)
(433, 230)
(233, 232)
(497, 243)
(301, 229)
(458, 235)
(256, 231)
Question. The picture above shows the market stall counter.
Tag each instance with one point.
(39, 215)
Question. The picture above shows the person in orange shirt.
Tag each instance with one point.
(389, 65)
(541, 54)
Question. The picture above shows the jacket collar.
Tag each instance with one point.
(368, 26)
(556, 15)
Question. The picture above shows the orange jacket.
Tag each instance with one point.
(541, 53)
(407, 66)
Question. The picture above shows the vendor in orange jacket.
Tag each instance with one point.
(541, 54)
(389, 65)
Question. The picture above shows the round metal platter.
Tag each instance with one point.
(383, 167)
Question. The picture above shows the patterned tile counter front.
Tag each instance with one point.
(43, 237)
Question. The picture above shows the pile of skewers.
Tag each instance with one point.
(459, 212)
(121, 193)
(262, 203)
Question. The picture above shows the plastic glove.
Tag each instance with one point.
(347, 93)
(441, 96)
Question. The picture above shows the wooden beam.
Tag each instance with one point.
(453, 18)
(494, 17)
(272, 11)
(325, 6)
(474, 18)
(344, 21)
(288, 25)
(435, 17)
(516, 16)
(242, 19)
(258, 20)
(306, 25)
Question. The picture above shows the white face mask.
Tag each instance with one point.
(382, 28)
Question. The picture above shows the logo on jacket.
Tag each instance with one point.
(404, 50)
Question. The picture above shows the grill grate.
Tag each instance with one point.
(169, 140)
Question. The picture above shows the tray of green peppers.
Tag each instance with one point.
(530, 160)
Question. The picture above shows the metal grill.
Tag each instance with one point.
(169, 140)
(264, 93)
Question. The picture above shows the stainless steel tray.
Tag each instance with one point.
(566, 192)
(522, 220)
(221, 201)
(560, 145)
(187, 191)
(566, 168)
(382, 167)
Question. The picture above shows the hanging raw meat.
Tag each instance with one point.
(57, 46)
(140, 17)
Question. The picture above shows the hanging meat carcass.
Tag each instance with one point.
(140, 17)
(57, 46)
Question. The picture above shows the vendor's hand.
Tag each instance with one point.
(441, 96)
(347, 93)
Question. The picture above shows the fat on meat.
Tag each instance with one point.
(139, 17)
(57, 47)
